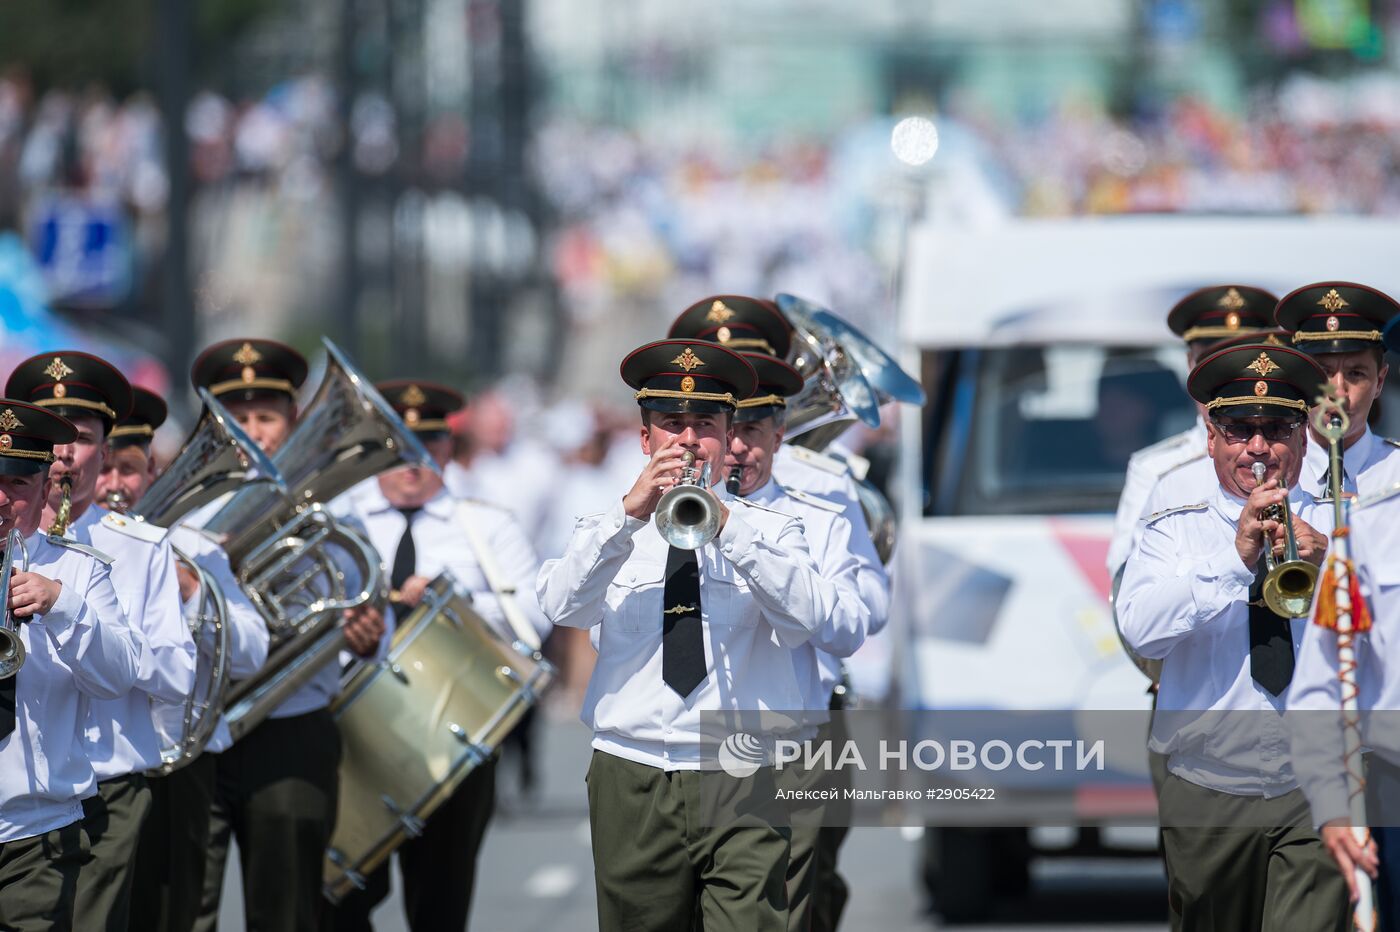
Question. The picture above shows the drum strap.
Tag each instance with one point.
(505, 591)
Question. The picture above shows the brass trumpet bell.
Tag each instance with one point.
(686, 516)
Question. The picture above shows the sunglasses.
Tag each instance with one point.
(1273, 431)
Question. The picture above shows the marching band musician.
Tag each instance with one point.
(1339, 324)
(682, 633)
(800, 482)
(1202, 318)
(275, 788)
(1240, 849)
(169, 869)
(1317, 687)
(78, 648)
(422, 530)
(121, 733)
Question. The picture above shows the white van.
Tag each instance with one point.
(1044, 351)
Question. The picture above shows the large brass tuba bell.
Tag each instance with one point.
(216, 458)
(299, 566)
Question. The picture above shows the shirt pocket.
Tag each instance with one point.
(727, 599)
(635, 597)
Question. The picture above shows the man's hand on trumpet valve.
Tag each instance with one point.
(364, 626)
(661, 472)
(1254, 523)
(32, 594)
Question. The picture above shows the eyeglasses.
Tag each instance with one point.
(1243, 432)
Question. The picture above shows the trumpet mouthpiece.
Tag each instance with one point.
(1259, 470)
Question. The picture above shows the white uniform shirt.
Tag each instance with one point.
(1183, 601)
(1316, 689)
(121, 732)
(247, 635)
(829, 539)
(829, 478)
(80, 651)
(1371, 465)
(1145, 468)
(440, 544)
(761, 595)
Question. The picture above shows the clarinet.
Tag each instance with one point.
(731, 481)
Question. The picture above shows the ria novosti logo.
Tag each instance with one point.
(742, 755)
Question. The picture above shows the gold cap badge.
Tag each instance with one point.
(246, 357)
(724, 333)
(1332, 301)
(1333, 324)
(687, 384)
(1262, 365)
(1261, 388)
(688, 361)
(719, 313)
(8, 421)
(58, 370)
(1231, 301)
(412, 397)
(1232, 320)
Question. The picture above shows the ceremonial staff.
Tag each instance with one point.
(1342, 608)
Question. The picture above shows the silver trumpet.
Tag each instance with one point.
(1288, 584)
(687, 517)
(11, 647)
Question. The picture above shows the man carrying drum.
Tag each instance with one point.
(422, 530)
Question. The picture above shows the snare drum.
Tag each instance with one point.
(413, 725)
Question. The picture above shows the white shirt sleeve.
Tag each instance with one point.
(785, 582)
(1169, 591)
(167, 665)
(1137, 486)
(851, 620)
(247, 636)
(572, 589)
(1315, 723)
(90, 633)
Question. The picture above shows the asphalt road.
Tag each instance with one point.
(535, 873)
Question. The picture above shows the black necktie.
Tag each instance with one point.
(405, 559)
(7, 705)
(682, 635)
(1270, 641)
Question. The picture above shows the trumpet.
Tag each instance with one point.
(686, 516)
(1289, 583)
(11, 647)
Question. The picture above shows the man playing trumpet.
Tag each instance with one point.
(1237, 834)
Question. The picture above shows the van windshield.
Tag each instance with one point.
(1049, 429)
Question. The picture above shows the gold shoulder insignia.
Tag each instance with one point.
(91, 551)
(1166, 512)
(130, 527)
(820, 460)
(1391, 441)
(814, 501)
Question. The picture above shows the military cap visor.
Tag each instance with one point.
(749, 325)
(777, 381)
(1221, 311)
(688, 376)
(249, 370)
(1275, 337)
(28, 434)
(424, 406)
(72, 384)
(1257, 380)
(148, 412)
(1336, 317)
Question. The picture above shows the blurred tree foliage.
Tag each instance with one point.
(70, 43)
